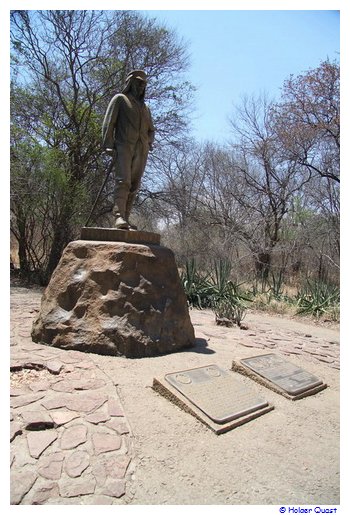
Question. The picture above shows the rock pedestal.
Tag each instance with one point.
(115, 298)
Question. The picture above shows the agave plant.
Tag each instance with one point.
(317, 298)
(228, 314)
(223, 288)
(276, 284)
(214, 290)
(196, 286)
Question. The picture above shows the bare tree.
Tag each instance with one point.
(176, 196)
(307, 120)
(266, 180)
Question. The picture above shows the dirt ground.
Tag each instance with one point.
(289, 456)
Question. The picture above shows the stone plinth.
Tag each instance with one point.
(111, 234)
(115, 298)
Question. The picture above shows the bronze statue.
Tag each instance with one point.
(128, 135)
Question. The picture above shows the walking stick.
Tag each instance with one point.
(110, 168)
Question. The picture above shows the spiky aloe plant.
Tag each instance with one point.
(316, 298)
(227, 302)
(197, 287)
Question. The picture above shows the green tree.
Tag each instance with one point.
(66, 65)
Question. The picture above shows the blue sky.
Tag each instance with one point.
(236, 53)
(247, 50)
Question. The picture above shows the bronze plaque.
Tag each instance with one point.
(285, 375)
(216, 392)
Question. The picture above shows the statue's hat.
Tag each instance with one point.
(137, 74)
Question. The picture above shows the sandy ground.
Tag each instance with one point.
(289, 456)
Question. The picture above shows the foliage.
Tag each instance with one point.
(267, 202)
(272, 288)
(41, 187)
(276, 284)
(257, 201)
(197, 287)
(317, 298)
(214, 290)
(228, 313)
(223, 288)
(66, 65)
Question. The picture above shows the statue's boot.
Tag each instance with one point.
(129, 204)
(119, 209)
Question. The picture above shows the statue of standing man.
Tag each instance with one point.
(128, 135)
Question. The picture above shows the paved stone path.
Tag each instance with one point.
(285, 336)
(70, 440)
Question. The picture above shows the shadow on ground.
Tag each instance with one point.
(200, 347)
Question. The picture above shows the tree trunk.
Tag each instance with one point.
(263, 265)
(61, 238)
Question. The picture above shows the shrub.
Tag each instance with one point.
(318, 298)
(196, 286)
(214, 290)
(227, 313)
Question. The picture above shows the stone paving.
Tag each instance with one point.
(285, 337)
(70, 440)
(318, 350)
